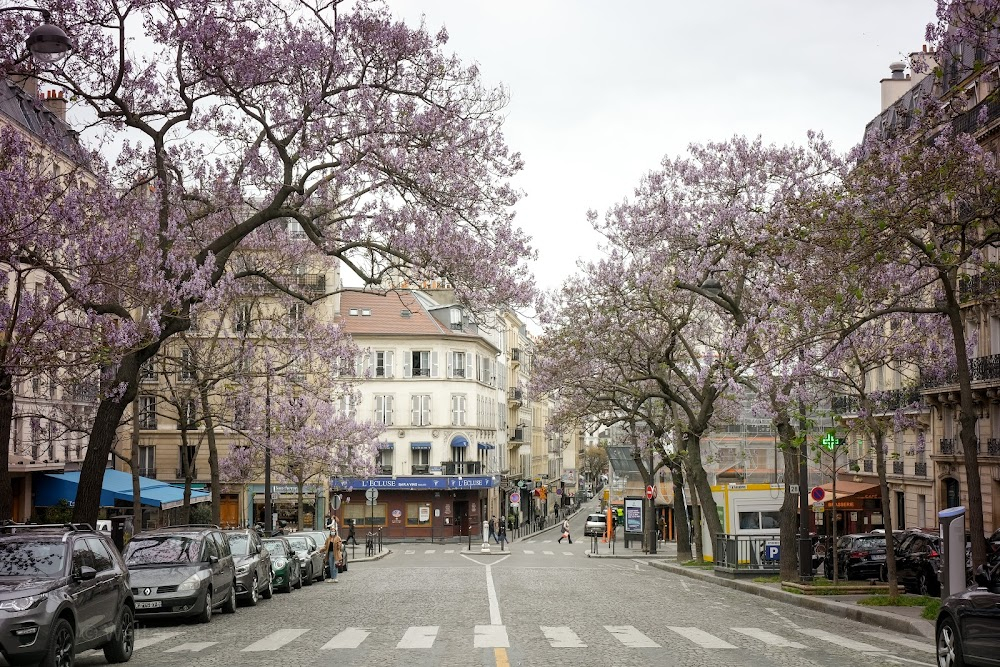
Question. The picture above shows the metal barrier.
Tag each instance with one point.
(752, 554)
(369, 545)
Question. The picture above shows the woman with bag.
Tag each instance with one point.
(334, 554)
(565, 533)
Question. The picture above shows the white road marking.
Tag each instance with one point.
(768, 638)
(562, 637)
(347, 638)
(430, 551)
(275, 640)
(840, 641)
(631, 637)
(924, 646)
(192, 647)
(143, 642)
(567, 553)
(547, 541)
(409, 551)
(419, 636)
(547, 553)
(899, 661)
(788, 622)
(491, 592)
(686, 587)
(700, 637)
(449, 551)
(529, 551)
(491, 636)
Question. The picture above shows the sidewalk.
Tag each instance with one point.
(664, 550)
(899, 619)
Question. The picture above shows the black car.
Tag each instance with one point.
(182, 571)
(968, 625)
(859, 556)
(918, 560)
(63, 589)
(253, 566)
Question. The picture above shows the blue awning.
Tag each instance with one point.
(117, 485)
(485, 445)
(420, 445)
(459, 441)
(386, 445)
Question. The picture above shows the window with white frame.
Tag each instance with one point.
(383, 363)
(383, 409)
(147, 460)
(421, 457)
(187, 365)
(242, 318)
(456, 318)
(420, 410)
(457, 365)
(296, 317)
(458, 408)
(348, 405)
(147, 411)
(189, 413)
(147, 371)
(420, 363)
(484, 370)
(458, 454)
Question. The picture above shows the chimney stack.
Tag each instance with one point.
(896, 85)
(55, 103)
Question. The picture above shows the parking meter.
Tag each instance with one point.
(952, 525)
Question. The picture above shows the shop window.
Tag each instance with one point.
(365, 515)
(418, 514)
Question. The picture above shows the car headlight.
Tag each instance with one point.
(22, 604)
(279, 563)
(192, 583)
(242, 569)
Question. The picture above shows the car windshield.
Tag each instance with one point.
(597, 517)
(299, 543)
(239, 543)
(275, 548)
(31, 558)
(162, 550)
(871, 542)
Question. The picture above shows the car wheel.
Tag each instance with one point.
(119, 649)
(205, 615)
(298, 579)
(883, 573)
(322, 574)
(62, 646)
(308, 580)
(269, 591)
(254, 593)
(229, 606)
(949, 645)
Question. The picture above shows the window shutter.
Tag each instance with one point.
(367, 363)
(468, 365)
(434, 364)
(407, 356)
(415, 410)
(388, 364)
(388, 410)
(451, 368)
(454, 410)
(378, 409)
(426, 403)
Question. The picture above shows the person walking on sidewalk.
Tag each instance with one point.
(565, 533)
(502, 534)
(493, 530)
(350, 533)
(334, 554)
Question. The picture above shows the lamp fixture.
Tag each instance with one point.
(48, 42)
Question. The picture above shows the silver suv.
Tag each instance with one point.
(63, 589)
(596, 525)
(182, 571)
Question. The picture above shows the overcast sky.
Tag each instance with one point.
(601, 91)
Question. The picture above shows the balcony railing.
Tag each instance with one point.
(981, 285)
(981, 369)
(948, 446)
(518, 435)
(193, 471)
(897, 467)
(515, 395)
(384, 470)
(920, 469)
(993, 447)
(884, 401)
(868, 465)
(420, 470)
(147, 472)
(515, 355)
(462, 467)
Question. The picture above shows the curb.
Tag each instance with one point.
(640, 556)
(366, 559)
(882, 619)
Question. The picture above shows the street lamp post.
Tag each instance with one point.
(268, 518)
(47, 43)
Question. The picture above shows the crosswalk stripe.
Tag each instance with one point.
(419, 636)
(449, 551)
(547, 553)
(143, 642)
(430, 551)
(840, 641)
(347, 638)
(192, 647)
(491, 636)
(567, 553)
(409, 551)
(275, 640)
(924, 646)
(562, 637)
(768, 638)
(529, 551)
(629, 636)
(700, 637)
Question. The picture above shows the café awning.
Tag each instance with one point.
(116, 485)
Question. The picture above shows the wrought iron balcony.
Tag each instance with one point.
(193, 471)
(384, 470)
(948, 446)
(462, 468)
(147, 472)
(518, 435)
(420, 470)
(993, 447)
(897, 467)
(515, 395)
(868, 467)
(979, 286)
(515, 355)
(881, 402)
(920, 469)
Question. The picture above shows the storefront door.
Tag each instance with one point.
(461, 518)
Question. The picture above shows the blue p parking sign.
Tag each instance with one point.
(772, 551)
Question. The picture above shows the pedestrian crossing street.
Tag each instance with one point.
(557, 637)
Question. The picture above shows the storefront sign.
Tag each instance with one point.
(405, 483)
(425, 514)
(397, 513)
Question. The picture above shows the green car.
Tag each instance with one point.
(284, 564)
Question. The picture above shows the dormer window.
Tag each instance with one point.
(353, 312)
(456, 319)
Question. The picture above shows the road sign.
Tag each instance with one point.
(650, 492)
(819, 508)
(335, 501)
(515, 498)
(371, 495)
(818, 494)
(793, 489)
(559, 492)
(772, 551)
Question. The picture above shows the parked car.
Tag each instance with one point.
(968, 625)
(859, 556)
(596, 525)
(918, 560)
(182, 571)
(285, 566)
(309, 557)
(63, 589)
(319, 537)
(253, 566)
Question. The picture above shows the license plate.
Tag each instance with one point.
(878, 556)
(149, 605)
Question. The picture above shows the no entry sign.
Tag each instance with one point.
(650, 492)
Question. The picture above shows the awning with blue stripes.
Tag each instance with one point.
(485, 445)
(459, 441)
(420, 445)
(386, 445)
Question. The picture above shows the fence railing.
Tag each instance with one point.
(746, 553)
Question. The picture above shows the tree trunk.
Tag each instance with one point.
(890, 556)
(187, 465)
(102, 435)
(699, 548)
(6, 427)
(300, 514)
(789, 518)
(699, 479)
(680, 517)
(133, 462)
(213, 457)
